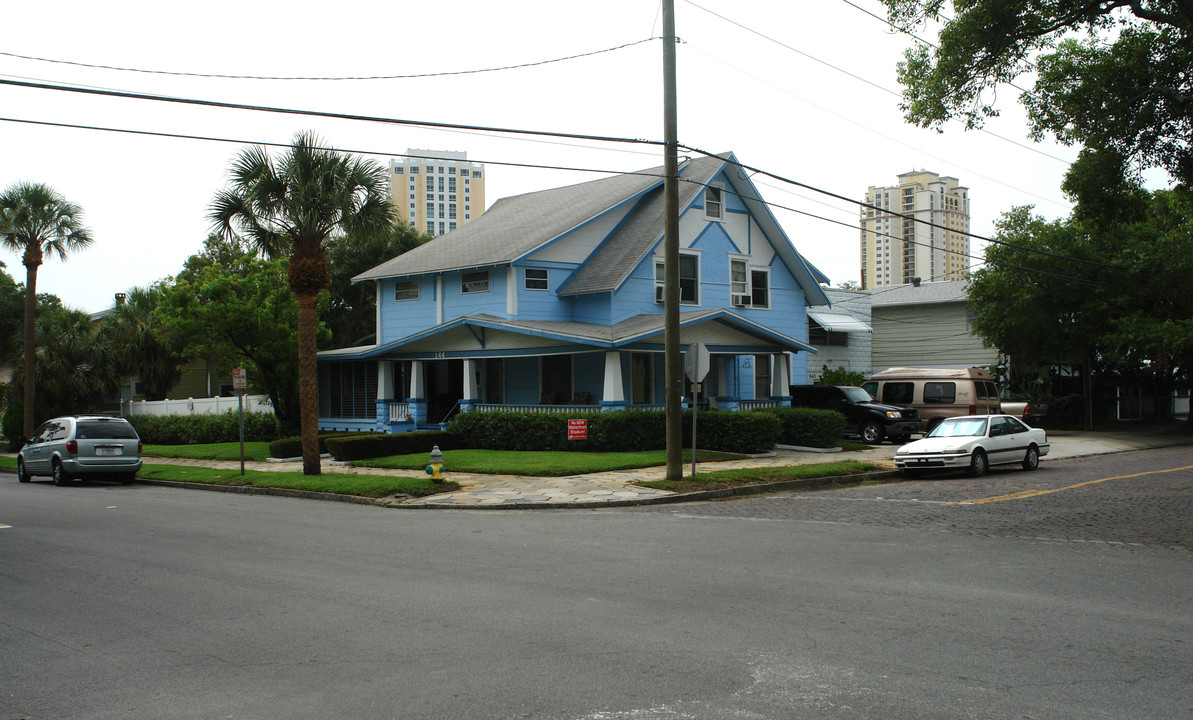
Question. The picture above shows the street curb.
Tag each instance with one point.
(697, 496)
(389, 502)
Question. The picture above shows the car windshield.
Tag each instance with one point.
(858, 395)
(968, 427)
(105, 430)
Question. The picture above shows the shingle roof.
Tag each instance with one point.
(941, 291)
(612, 263)
(517, 225)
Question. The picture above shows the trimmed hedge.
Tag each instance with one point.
(371, 445)
(198, 429)
(292, 446)
(625, 431)
(808, 427)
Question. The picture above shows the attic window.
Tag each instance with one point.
(536, 279)
(714, 202)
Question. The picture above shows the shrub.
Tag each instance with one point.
(289, 447)
(371, 445)
(199, 429)
(808, 427)
(736, 432)
(626, 431)
(841, 376)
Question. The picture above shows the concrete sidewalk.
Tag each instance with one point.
(611, 489)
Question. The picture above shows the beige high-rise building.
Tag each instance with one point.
(437, 191)
(897, 249)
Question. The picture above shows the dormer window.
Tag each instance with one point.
(714, 203)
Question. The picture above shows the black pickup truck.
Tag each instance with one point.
(864, 416)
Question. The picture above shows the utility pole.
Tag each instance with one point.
(674, 365)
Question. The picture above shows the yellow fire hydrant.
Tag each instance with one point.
(435, 469)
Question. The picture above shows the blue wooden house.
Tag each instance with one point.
(553, 301)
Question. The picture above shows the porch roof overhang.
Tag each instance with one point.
(838, 322)
(629, 333)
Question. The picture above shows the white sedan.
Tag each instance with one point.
(974, 443)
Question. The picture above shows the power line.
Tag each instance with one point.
(575, 169)
(315, 78)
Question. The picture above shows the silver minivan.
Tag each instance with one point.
(84, 445)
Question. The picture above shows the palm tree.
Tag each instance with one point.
(292, 208)
(36, 221)
(147, 344)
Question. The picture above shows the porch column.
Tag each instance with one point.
(726, 398)
(470, 393)
(780, 383)
(416, 398)
(613, 394)
(385, 394)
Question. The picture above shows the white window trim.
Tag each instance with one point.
(398, 286)
(488, 282)
(769, 289)
(720, 216)
(659, 284)
(546, 279)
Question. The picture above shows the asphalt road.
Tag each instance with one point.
(883, 601)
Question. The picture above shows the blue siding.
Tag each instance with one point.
(399, 319)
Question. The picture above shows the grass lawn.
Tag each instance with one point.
(542, 464)
(8, 462)
(210, 451)
(363, 485)
(722, 479)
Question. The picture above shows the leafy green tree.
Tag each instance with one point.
(292, 208)
(351, 314)
(1126, 312)
(147, 343)
(235, 309)
(1112, 76)
(11, 304)
(78, 362)
(840, 376)
(36, 221)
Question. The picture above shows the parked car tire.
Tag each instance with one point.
(60, 476)
(1031, 460)
(22, 474)
(871, 432)
(979, 464)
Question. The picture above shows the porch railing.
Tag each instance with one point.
(756, 404)
(546, 409)
(399, 412)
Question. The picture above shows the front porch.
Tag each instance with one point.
(420, 394)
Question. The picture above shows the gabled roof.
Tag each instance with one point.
(613, 262)
(517, 225)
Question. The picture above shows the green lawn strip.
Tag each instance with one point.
(541, 464)
(363, 485)
(722, 479)
(210, 451)
(8, 462)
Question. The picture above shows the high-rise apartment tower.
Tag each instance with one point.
(437, 191)
(896, 248)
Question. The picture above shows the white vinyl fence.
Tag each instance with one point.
(196, 406)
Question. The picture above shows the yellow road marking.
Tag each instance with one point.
(1034, 493)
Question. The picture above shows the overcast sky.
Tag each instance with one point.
(805, 89)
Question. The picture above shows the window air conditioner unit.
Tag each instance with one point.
(740, 300)
(658, 293)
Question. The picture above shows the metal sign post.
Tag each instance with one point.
(696, 365)
(239, 382)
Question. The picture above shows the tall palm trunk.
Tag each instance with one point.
(30, 416)
(308, 381)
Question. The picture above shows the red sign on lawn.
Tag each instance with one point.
(577, 429)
